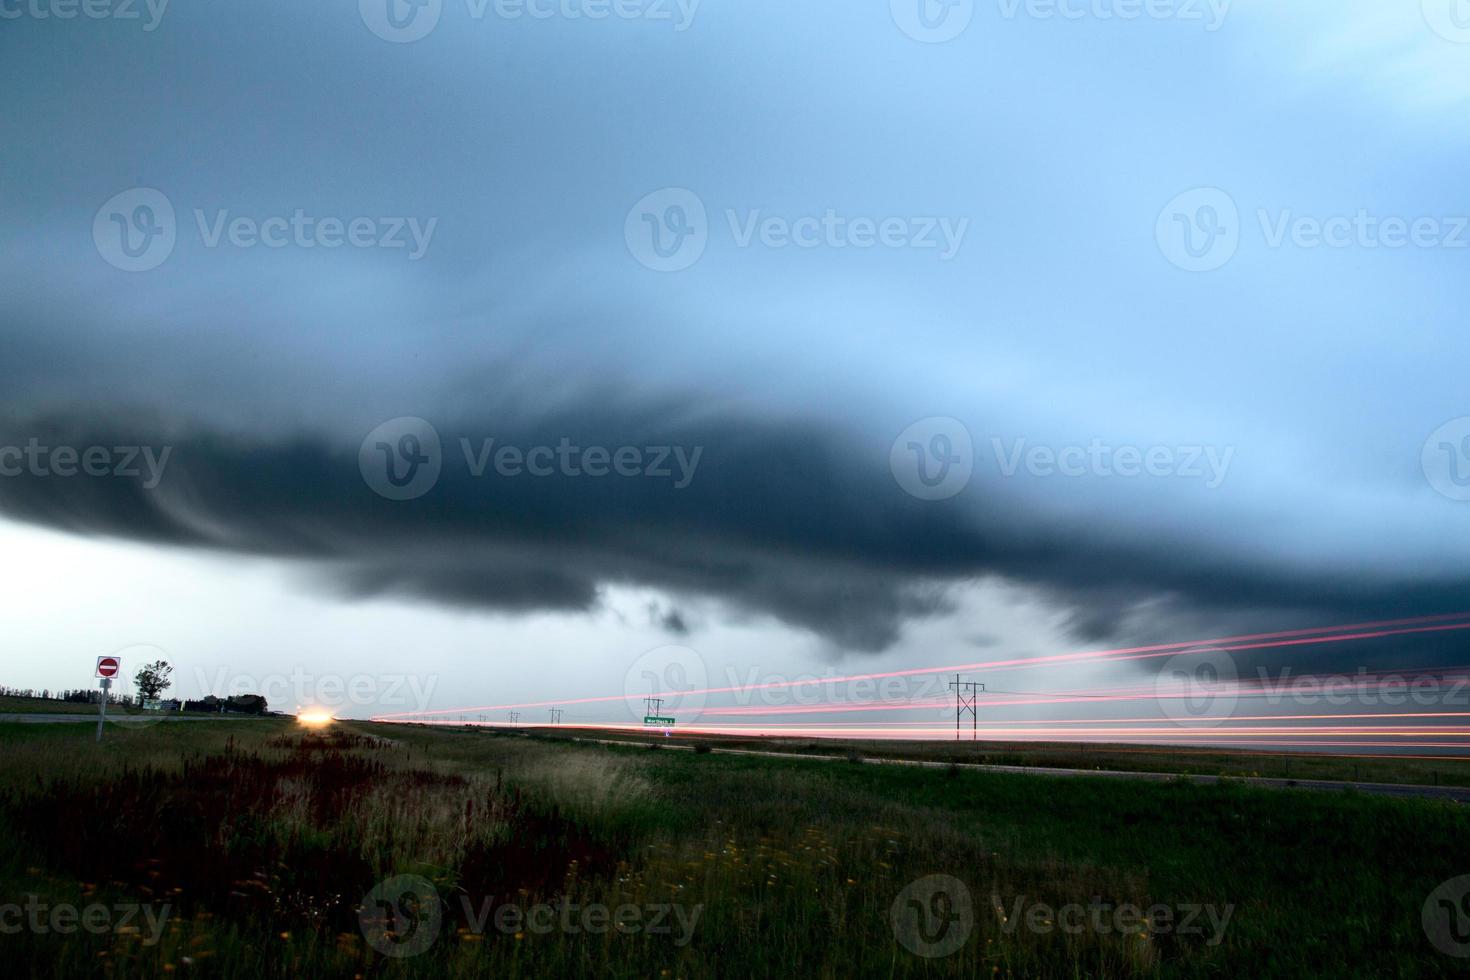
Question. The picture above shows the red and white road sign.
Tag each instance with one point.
(108, 666)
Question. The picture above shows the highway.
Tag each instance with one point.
(1455, 794)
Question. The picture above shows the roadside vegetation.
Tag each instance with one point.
(1239, 764)
(265, 841)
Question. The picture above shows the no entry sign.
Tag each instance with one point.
(108, 666)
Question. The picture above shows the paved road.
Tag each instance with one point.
(1452, 793)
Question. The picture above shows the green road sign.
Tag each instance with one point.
(653, 720)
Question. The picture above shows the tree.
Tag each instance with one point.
(250, 704)
(153, 679)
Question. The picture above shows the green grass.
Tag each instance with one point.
(1075, 755)
(44, 706)
(266, 842)
(52, 706)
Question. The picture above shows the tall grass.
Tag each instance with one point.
(265, 842)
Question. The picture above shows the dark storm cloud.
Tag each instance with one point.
(783, 518)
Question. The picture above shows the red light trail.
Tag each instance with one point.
(1284, 638)
(1366, 729)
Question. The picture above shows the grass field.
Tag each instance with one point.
(44, 706)
(1078, 755)
(278, 852)
(54, 706)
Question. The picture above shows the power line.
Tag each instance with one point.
(652, 707)
(964, 700)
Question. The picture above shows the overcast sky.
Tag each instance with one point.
(809, 336)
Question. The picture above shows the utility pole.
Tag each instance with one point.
(652, 707)
(515, 716)
(556, 716)
(964, 700)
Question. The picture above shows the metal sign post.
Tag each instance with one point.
(102, 708)
(107, 669)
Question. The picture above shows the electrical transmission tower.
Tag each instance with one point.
(652, 706)
(515, 716)
(556, 716)
(964, 700)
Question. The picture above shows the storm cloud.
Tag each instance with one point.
(1055, 327)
